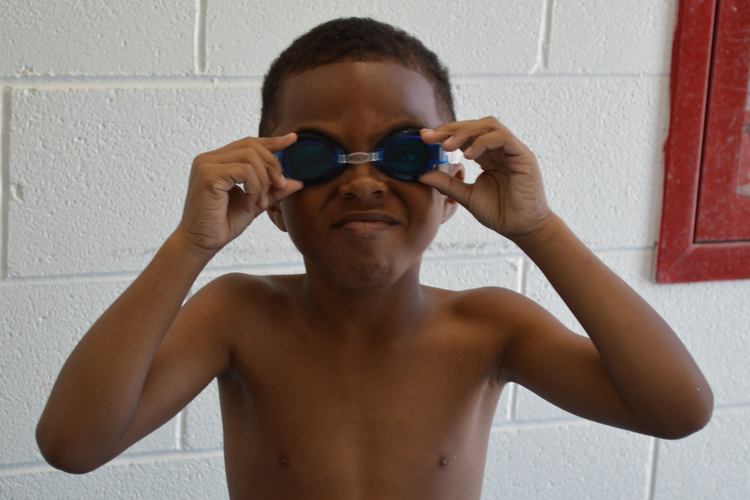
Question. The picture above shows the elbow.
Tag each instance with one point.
(61, 452)
(691, 417)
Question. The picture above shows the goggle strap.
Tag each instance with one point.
(441, 156)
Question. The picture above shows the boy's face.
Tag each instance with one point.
(363, 229)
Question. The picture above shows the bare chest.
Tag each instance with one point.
(405, 419)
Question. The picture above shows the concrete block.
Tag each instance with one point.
(467, 274)
(599, 145)
(714, 463)
(463, 235)
(99, 176)
(90, 37)
(582, 461)
(590, 36)
(243, 38)
(174, 479)
(39, 327)
(530, 407)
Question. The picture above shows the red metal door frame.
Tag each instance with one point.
(679, 257)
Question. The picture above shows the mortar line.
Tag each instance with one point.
(651, 471)
(731, 407)
(4, 180)
(179, 430)
(510, 413)
(548, 12)
(184, 429)
(108, 82)
(465, 78)
(540, 424)
(523, 272)
(97, 82)
(542, 56)
(200, 37)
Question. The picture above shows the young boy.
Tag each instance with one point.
(353, 380)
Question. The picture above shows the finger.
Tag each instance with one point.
(459, 135)
(259, 169)
(448, 185)
(239, 201)
(259, 149)
(279, 143)
(438, 134)
(257, 158)
(499, 139)
(274, 144)
(276, 195)
(229, 178)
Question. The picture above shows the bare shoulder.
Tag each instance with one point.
(518, 332)
(490, 317)
(231, 305)
(244, 292)
(499, 306)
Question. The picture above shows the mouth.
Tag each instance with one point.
(356, 220)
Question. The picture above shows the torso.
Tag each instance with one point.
(309, 416)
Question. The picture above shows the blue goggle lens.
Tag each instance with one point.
(316, 159)
(410, 157)
(307, 160)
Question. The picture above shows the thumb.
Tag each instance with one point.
(448, 185)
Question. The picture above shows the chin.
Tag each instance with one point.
(369, 276)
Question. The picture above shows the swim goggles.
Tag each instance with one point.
(315, 159)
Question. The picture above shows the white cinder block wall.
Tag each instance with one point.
(104, 105)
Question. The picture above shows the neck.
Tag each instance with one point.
(376, 313)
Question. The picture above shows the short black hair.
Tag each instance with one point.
(354, 39)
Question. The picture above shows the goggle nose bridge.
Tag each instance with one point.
(360, 157)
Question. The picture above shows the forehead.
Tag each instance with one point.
(348, 98)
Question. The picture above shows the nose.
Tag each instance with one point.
(362, 181)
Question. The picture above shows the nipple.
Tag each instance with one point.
(284, 460)
(443, 462)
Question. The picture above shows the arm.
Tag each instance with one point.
(145, 358)
(633, 371)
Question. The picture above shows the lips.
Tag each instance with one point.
(365, 218)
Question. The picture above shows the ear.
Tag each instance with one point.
(276, 215)
(458, 171)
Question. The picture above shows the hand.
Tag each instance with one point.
(508, 195)
(217, 209)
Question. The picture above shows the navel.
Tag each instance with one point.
(284, 460)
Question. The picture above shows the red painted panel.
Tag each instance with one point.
(743, 176)
(724, 215)
(691, 58)
(679, 257)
